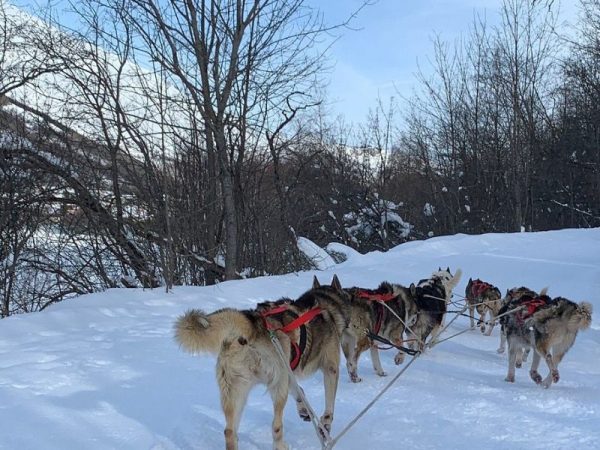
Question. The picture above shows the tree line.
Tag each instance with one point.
(166, 143)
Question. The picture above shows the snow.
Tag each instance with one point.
(428, 209)
(319, 257)
(103, 372)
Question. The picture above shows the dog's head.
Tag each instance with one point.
(443, 274)
(448, 280)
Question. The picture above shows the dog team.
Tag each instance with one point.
(267, 344)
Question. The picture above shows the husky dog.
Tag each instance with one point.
(549, 326)
(485, 298)
(247, 356)
(369, 312)
(511, 301)
(432, 297)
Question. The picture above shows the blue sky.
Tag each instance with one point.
(389, 41)
(392, 38)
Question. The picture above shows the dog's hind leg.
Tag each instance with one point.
(558, 352)
(553, 374)
(279, 395)
(330, 365)
(513, 349)
(233, 398)
(533, 372)
(543, 349)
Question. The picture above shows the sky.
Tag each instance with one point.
(386, 44)
(391, 40)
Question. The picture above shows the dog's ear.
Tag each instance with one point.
(439, 269)
(470, 280)
(316, 283)
(335, 283)
(413, 289)
(448, 270)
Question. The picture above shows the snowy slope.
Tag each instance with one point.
(103, 372)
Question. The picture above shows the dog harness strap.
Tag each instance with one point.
(381, 311)
(376, 297)
(302, 319)
(534, 304)
(296, 353)
(298, 349)
(272, 312)
(479, 287)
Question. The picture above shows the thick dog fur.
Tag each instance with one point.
(511, 301)
(367, 313)
(486, 300)
(550, 330)
(247, 357)
(432, 297)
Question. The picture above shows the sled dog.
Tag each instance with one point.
(485, 298)
(549, 326)
(247, 356)
(369, 312)
(511, 301)
(432, 296)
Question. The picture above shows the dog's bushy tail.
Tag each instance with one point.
(455, 279)
(197, 332)
(584, 313)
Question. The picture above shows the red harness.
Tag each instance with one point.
(376, 297)
(479, 287)
(298, 322)
(381, 310)
(532, 306)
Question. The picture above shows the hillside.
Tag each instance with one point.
(103, 372)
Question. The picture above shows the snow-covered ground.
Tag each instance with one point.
(103, 372)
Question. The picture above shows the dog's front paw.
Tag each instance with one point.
(535, 376)
(500, 350)
(518, 364)
(555, 376)
(399, 358)
(510, 378)
(381, 373)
